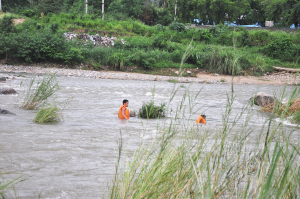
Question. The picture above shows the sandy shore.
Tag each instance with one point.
(272, 79)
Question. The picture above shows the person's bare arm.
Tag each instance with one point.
(123, 113)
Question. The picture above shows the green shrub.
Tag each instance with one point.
(160, 27)
(260, 37)
(177, 26)
(6, 25)
(150, 111)
(47, 115)
(225, 38)
(246, 41)
(29, 12)
(101, 55)
(206, 36)
(283, 49)
(213, 30)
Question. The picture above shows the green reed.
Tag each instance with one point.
(7, 185)
(34, 97)
(47, 115)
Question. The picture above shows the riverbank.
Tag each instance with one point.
(280, 78)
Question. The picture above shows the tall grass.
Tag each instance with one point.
(45, 88)
(47, 115)
(189, 161)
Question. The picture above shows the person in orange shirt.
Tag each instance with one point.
(124, 111)
(201, 119)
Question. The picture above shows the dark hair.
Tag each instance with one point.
(124, 101)
(203, 116)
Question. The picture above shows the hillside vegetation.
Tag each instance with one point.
(220, 49)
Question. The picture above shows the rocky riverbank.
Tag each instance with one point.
(202, 77)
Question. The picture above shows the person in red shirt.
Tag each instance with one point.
(201, 119)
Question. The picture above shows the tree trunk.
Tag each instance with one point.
(86, 6)
(102, 9)
(175, 10)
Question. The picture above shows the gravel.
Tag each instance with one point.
(275, 78)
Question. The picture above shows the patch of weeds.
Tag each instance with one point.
(45, 89)
(47, 115)
(222, 80)
(151, 111)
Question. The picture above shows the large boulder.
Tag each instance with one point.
(2, 111)
(263, 99)
(6, 90)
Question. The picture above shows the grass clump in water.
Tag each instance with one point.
(45, 89)
(150, 111)
(47, 115)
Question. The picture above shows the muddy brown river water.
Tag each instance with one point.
(76, 158)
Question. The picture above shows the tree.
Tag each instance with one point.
(282, 12)
(47, 6)
(133, 8)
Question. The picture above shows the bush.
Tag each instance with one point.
(206, 36)
(160, 27)
(283, 49)
(260, 37)
(150, 111)
(6, 25)
(101, 55)
(245, 38)
(177, 26)
(29, 12)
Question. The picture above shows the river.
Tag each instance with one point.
(76, 157)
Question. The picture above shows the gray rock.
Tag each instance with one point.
(132, 114)
(263, 99)
(5, 90)
(2, 79)
(2, 111)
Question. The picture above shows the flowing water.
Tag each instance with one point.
(76, 158)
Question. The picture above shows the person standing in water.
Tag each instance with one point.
(201, 119)
(124, 111)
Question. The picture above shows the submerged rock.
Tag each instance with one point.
(5, 91)
(132, 114)
(2, 111)
(2, 79)
(263, 99)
